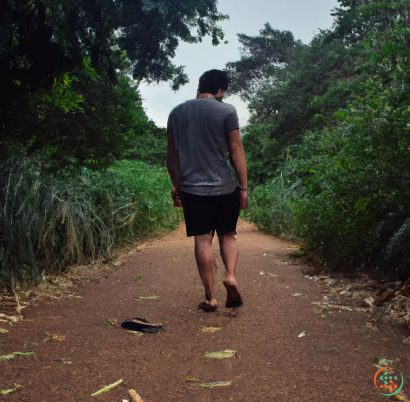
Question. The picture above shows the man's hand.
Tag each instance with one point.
(176, 198)
(244, 200)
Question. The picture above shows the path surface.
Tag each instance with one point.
(332, 363)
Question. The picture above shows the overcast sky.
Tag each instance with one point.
(301, 17)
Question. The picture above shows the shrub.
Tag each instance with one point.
(272, 207)
(49, 221)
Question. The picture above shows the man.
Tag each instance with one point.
(200, 133)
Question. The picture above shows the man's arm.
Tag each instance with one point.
(173, 163)
(237, 155)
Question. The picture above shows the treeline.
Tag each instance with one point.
(81, 165)
(329, 141)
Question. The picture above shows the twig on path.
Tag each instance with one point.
(19, 306)
(107, 388)
(134, 396)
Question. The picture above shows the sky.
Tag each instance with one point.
(303, 18)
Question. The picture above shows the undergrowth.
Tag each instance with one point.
(49, 221)
(271, 206)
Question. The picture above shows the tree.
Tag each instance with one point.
(355, 19)
(82, 49)
(329, 142)
(261, 57)
(285, 83)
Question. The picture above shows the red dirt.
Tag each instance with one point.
(332, 363)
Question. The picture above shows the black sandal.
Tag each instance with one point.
(141, 325)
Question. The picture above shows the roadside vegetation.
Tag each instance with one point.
(329, 141)
(81, 165)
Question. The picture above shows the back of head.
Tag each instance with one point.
(212, 81)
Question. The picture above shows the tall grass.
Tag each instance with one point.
(271, 206)
(50, 221)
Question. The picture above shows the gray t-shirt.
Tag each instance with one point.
(200, 127)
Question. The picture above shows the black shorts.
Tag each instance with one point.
(205, 214)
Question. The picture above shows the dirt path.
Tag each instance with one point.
(333, 362)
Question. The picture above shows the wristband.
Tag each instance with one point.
(244, 189)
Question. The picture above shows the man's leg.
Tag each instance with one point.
(205, 261)
(229, 253)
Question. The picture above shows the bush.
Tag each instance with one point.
(49, 221)
(272, 206)
(141, 198)
(357, 173)
(350, 200)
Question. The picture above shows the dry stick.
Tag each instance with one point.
(125, 206)
(19, 306)
(134, 396)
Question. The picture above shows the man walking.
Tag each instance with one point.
(201, 132)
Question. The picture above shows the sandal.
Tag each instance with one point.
(141, 325)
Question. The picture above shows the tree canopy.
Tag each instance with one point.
(64, 67)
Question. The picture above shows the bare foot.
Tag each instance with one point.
(209, 306)
(234, 298)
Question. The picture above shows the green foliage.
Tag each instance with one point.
(358, 173)
(329, 140)
(272, 206)
(50, 221)
(146, 191)
(84, 120)
(69, 111)
(64, 66)
(284, 92)
(261, 57)
(150, 146)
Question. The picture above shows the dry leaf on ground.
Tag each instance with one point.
(214, 384)
(58, 338)
(211, 329)
(13, 355)
(223, 354)
(136, 333)
(10, 390)
(380, 363)
(7, 318)
(110, 322)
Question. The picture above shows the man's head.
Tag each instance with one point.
(214, 82)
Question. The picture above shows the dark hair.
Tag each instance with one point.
(212, 81)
